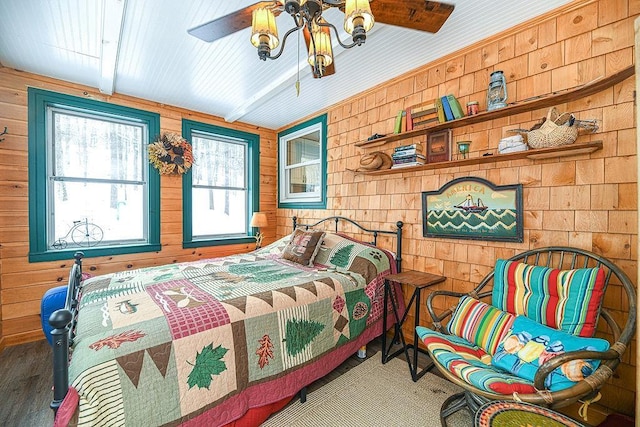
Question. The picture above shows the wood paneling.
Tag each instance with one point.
(586, 200)
(22, 283)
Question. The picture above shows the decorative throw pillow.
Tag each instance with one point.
(303, 247)
(529, 345)
(568, 300)
(480, 323)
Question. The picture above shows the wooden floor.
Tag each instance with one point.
(26, 381)
(25, 385)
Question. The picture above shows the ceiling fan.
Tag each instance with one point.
(360, 16)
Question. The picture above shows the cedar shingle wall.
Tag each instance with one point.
(22, 284)
(585, 201)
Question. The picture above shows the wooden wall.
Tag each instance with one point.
(22, 284)
(585, 201)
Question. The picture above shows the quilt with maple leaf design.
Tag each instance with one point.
(199, 343)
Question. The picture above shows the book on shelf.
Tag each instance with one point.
(411, 159)
(429, 112)
(406, 165)
(406, 153)
(424, 123)
(456, 108)
(447, 109)
(417, 146)
(440, 111)
(398, 125)
(426, 106)
(424, 115)
(409, 119)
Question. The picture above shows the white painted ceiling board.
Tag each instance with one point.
(159, 61)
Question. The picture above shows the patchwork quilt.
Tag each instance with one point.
(199, 343)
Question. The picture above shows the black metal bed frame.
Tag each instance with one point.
(337, 219)
(63, 320)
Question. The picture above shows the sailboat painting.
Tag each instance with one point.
(473, 208)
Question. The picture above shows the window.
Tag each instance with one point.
(302, 162)
(91, 187)
(221, 191)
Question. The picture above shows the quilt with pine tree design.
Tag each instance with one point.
(199, 343)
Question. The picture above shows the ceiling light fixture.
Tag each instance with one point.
(307, 14)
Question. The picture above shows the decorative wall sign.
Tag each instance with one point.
(473, 208)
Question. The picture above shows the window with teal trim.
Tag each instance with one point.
(302, 165)
(221, 191)
(91, 187)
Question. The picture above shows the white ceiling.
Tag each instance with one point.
(147, 53)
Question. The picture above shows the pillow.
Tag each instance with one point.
(303, 247)
(480, 323)
(529, 344)
(568, 300)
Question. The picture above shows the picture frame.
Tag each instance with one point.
(473, 208)
(439, 146)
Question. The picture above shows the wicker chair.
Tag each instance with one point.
(586, 389)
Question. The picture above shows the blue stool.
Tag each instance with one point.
(52, 300)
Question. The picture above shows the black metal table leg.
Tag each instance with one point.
(414, 368)
(384, 322)
(397, 329)
(418, 281)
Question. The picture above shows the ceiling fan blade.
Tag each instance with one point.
(331, 69)
(415, 14)
(229, 24)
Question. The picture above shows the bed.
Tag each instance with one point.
(221, 341)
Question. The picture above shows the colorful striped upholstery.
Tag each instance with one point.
(529, 345)
(480, 324)
(470, 363)
(568, 300)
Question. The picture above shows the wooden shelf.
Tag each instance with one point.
(520, 107)
(541, 153)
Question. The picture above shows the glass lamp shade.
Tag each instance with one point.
(463, 148)
(357, 12)
(323, 50)
(259, 219)
(497, 92)
(263, 28)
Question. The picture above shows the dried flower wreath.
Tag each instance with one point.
(171, 154)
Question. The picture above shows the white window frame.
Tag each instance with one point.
(286, 198)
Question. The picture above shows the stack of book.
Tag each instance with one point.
(408, 155)
(424, 115)
(439, 110)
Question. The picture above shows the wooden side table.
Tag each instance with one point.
(418, 280)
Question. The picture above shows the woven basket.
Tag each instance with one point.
(558, 129)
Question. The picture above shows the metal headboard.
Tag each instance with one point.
(337, 219)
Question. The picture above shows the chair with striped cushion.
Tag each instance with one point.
(526, 332)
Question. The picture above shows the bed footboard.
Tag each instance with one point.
(63, 322)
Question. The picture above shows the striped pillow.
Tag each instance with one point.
(568, 300)
(480, 324)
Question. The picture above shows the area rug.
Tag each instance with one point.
(373, 394)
